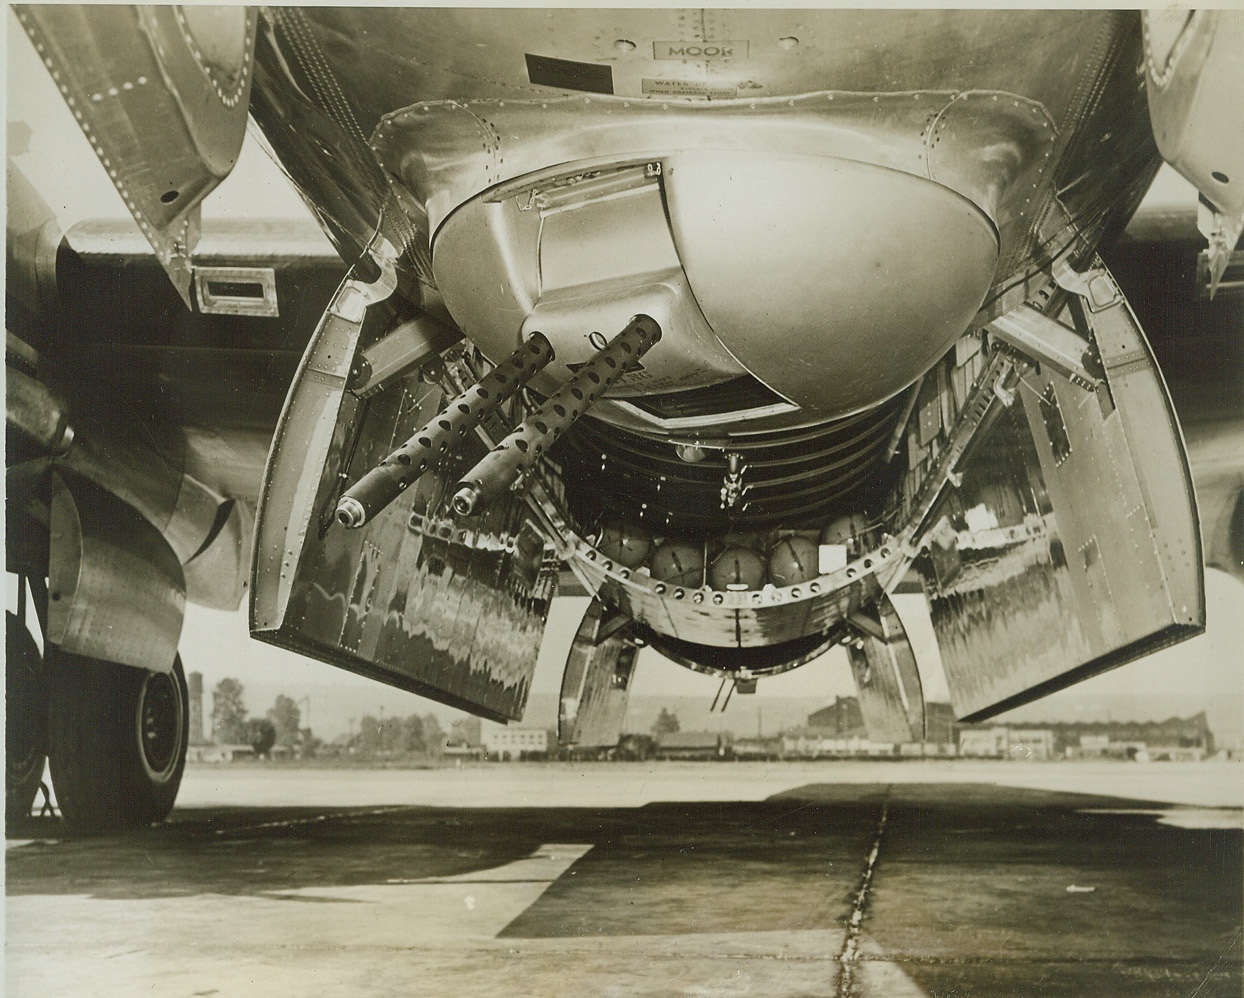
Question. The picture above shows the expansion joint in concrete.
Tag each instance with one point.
(851, 945)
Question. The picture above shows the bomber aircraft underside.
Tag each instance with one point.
(739, 322)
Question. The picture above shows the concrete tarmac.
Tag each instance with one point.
(827, 880)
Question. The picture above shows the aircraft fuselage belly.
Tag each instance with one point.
(820, 202)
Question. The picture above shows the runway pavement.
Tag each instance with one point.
(798, 880)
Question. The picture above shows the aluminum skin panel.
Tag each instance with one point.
(1071, 544)
(1217, 455)
(827, 242)
(750, 619)
(376, 60)
(162, 94)
(833, 194)
(115, 587)
(1194, 77)
(886, 678)
(413, 599)
(217, 574)
(773, 52)
(133, 337)
(596, 684)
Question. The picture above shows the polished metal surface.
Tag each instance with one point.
(829, 191)
(779, 479)
(409, 346)
(1214, 451)
(35, 410)
(32, 237)
(416, 601)
(595, 687)
(380, 44)
(828, 240)
(328, 77)
(817, 232)
(1194, 78)
(165, 110)
(925, 126)
(887, 681)
(693, 611)
(146, 472)
(306, 434)
(218, 572)
(688, 608)
(1070, 544)
(97, 539)
(236, 291)
(1045, 341)
(133, 338)
(572, 257)
(412, 598)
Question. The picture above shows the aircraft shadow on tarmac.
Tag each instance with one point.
(793, 838)
(975, 886)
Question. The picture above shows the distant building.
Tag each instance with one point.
(842, 724)
(820, 743)
(983, 743)
(1090, 745)
(758, 748)
(1175, 738)
(515, 743)
(693, 745)
(210, 752)
(928, 750)
(1030, 743)
(1001, 741)
(1188, 738)
(841, 719)
(844, 719)
(460, 751)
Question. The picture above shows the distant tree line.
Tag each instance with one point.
(398, 737)
(282, 725)
(666, 724)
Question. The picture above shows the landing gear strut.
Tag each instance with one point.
(25, 734)
(117, 741)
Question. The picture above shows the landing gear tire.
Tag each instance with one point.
(116, 741)
(25, 717)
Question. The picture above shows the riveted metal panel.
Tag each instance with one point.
(162, 95)
(1194, 76)
(1074, 539)
(449, 610)
(750, 619)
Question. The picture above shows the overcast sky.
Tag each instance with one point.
(46, 144)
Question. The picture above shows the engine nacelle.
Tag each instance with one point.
(116, 590)
(32, 237)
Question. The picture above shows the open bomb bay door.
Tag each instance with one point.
(451, 610)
